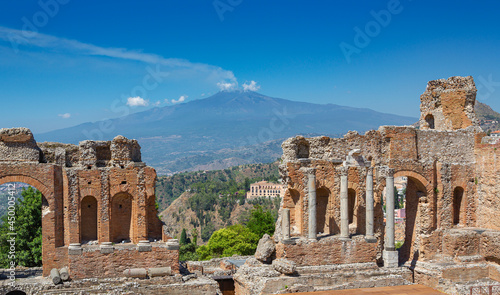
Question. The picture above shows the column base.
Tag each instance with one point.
(371, 239)
(391, 258)
(288, 242)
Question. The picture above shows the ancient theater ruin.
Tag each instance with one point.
(331, 224)
(331, 233)
(98, 209)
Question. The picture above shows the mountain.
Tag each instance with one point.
(226, 129)
(488, 118)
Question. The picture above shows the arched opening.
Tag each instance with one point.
(430, 121)
(293, 201)
(411, 194)
(24, 208)
(303, 150)
(458, 194)
(16, 292)
(322, 200)
(351, 203)
(121, 218)
(88, 219)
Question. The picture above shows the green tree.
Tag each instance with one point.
(28, 228)
(194, 234)
(261, 222)
(188, 252)
(183, 239)
(226, 242)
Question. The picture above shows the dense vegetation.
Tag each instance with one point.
(27, 227)
(236, 239)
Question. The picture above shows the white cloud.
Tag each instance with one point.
(157, 103)
(181, 99)
(137, 102)
(20, 38)
(65, 116)
(227, 86)
(252, 86)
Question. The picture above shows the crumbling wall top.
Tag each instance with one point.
(18, 145)
(20, 135)
(448, 104)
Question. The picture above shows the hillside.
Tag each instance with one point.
(488, 118)
(226, 129)
(169, 188)
(212, 200)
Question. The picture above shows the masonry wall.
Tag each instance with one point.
(328, 251)
(95, 171)
(97, 265)
(488, 185)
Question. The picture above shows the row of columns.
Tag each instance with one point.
(390, 255)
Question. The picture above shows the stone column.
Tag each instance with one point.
(369, 206)
(312, 203)
(344, 205)
(285, 226)
(389, 208)
(390, 254)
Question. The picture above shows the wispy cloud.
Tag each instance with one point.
(227, 86)
(252, 86)
(137, 102)
(19, 38)
(181, 99)
(65, 115)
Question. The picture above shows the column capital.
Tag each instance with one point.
(369, 170)
(385, 171)
(344, 170)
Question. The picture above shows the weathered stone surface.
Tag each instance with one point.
(265, 248)
(448, 104)
(284, 266)
(21, 135)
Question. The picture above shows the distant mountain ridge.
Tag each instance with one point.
(228, 128)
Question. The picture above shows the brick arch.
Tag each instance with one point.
(123, 217)
(46, 192)
(52, 237)
(416, 183)
(324, 222)
(295, 202)
(412, 174)
(84, 192)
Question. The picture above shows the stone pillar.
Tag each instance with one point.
(312, 203)
(369, 206)
(285, 226)
(390, 254)
(344, 205)
(389, 206)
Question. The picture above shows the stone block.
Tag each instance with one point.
(284, 266)
(75, 249)
(265, 248)
(144, 246)
(391, 259)
(107, 247)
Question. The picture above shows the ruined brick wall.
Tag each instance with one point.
(488, 185)
(328, 251)
(448, 104)
(97, 265)
(440, 164)
(79, 185)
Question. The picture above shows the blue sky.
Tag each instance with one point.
(91, 60)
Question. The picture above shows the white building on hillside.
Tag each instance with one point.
(265, 189)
